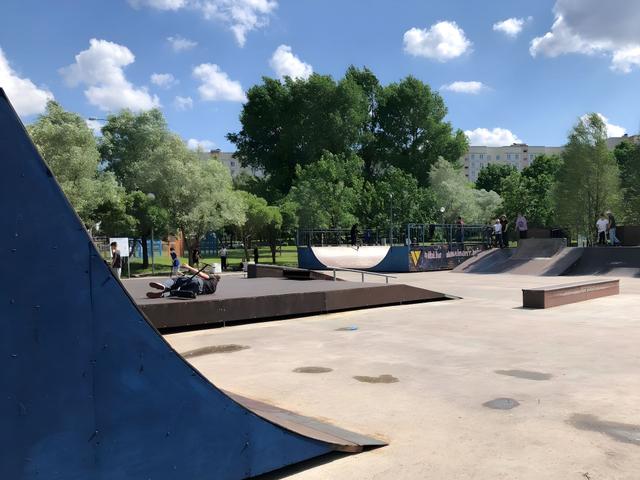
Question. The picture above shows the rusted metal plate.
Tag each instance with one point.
(555, 295)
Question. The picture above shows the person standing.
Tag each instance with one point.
(497, 233)
(459, 230)
(613, 239)
(521, 226)
(223, 258)
(175, 262)
(256, 255)
(195, 257)
(601, 225)
(354, 234)
(116, 259)
(505, 234)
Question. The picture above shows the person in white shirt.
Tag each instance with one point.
(602, 225)
(521, 226)
(497, 232)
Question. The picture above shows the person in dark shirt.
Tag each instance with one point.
(256, 255)
(613, 240)
(354, 235)
(116, 259)
(195, 257)
(505, 234)
(199, 284)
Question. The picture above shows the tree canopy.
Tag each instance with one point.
(290, 123)
(588, 181)
(68, 146)
(492, 175)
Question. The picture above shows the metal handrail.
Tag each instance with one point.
(362, 272)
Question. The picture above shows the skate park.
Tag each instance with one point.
(447, 389)
(266, 268)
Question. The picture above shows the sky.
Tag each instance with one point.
(508, 70)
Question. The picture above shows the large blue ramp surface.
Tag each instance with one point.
(88, 388)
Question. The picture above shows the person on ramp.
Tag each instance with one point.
(199, 283)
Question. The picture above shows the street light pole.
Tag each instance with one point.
(152, 196)
(391, 219)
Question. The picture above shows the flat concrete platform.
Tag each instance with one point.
(249, 299)
(437, 380)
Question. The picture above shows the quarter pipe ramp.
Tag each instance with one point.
(89, 389)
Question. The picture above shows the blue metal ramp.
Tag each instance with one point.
(88, 388)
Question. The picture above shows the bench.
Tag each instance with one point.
(555, 295)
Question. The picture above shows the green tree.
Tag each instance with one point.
(627, 155)
(457, 195)
(395, 199)
(197, 195)
(588, 182)
(491, 176)
(68, 146)
(328, 191)
(291, 122)
(531, 192)
(261, 220)
(412, 131)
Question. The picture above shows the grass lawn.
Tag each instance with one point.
(288, 257)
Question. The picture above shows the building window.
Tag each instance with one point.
(497, 157)
(233, 164)
(517, 156)
(482, 156)
(508, 156)
(473, 156)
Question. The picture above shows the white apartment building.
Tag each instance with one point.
(520, 155)
(233, 164)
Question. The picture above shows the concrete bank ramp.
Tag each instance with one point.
(535, 256)
(89, 389)
(610, 261)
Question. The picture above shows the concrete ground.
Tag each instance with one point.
(574, 370)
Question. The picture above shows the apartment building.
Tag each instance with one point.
(233, 164)
(520, 155)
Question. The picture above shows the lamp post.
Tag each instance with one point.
(152, 197)
(391, 219)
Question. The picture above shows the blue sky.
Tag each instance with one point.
(531, 77)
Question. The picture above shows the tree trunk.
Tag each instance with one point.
(145, 253)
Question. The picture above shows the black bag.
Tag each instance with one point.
(184, 287)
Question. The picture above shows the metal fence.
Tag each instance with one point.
(431, 234)
(413, 234)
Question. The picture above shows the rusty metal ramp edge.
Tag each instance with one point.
(88, 387)
(341, 439)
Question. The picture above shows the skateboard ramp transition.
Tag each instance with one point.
(549, 257)
(535, 256)
(363, 258)
(90, 390)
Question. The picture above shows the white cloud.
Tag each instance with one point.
(183, 103)
(95, 125)
(465, 87)
(240, 16)
(286, 64)
(498, 137)
(25, 96)
(612, 129)
(205, 145)
(442, 41)
(181, 44)
(594, 27)
(216, 84)
(511, 26)
(164, 80)
(100, 67)
(159, 4)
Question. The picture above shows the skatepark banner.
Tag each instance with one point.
(441, 257)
